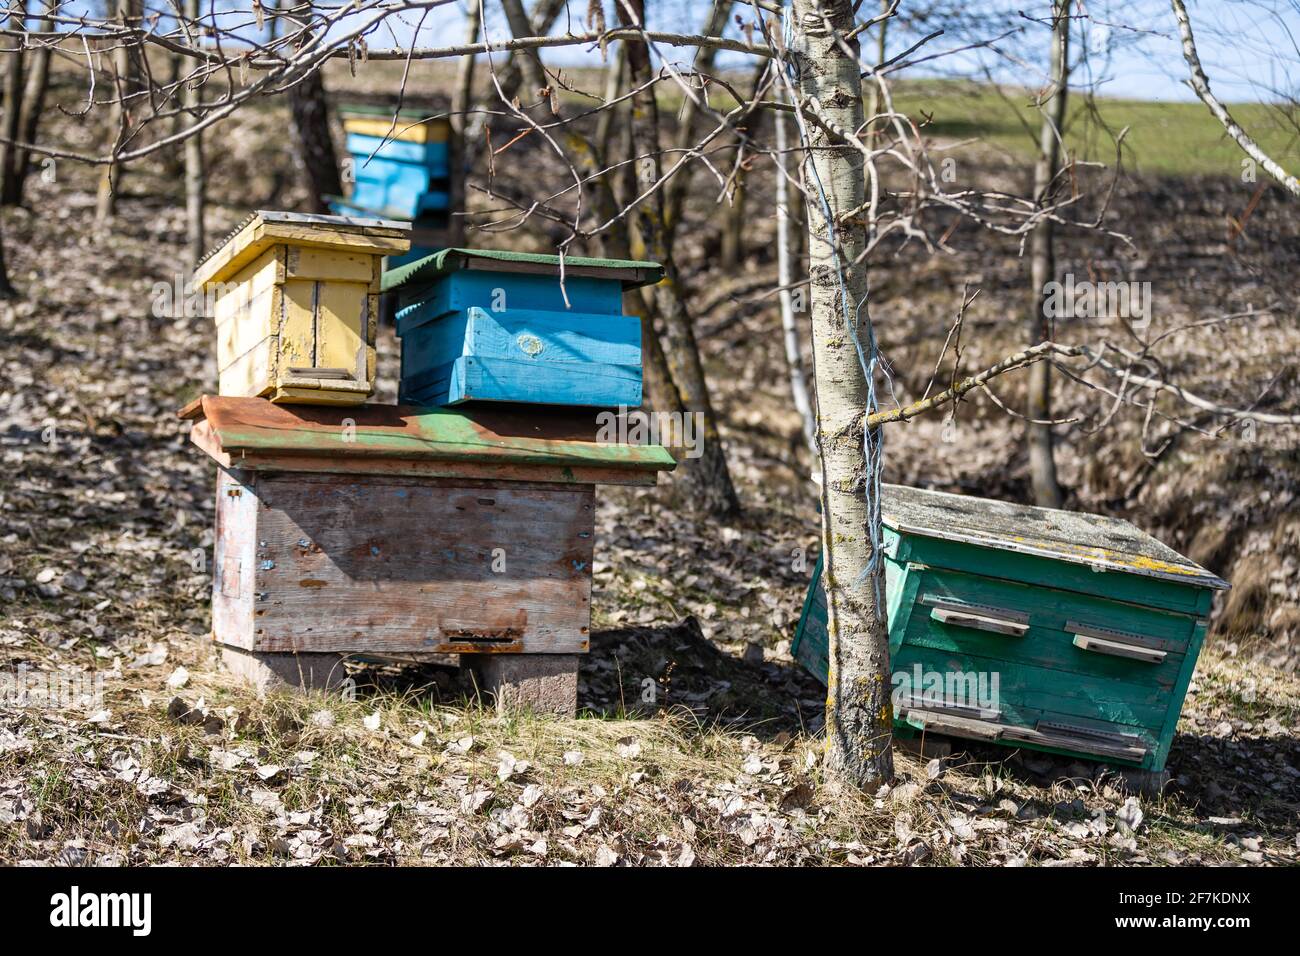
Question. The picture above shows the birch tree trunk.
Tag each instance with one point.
(859, 712)
(1042, 458)
(707, 477)
(195, 185)
(785, 278)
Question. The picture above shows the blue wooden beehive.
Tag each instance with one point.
(480, 325)
(1091, 627)
(402, 169)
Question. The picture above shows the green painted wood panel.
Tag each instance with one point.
(1032, 570)
(1055, 616)
(1043, 677)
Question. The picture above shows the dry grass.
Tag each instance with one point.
(391, 777)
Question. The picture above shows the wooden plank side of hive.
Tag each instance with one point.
(298, 327)
(1177, 695)
(233, 557)
(253, 373)
(247, 308)
(342, 323)
(354, 564)
(329, 265)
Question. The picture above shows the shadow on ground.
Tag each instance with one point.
(641, 672)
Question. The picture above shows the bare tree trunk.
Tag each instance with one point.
(195, 185)
(785, 278)
(311, 123)
(173, 158)
(732, 253)
(38, 83)
(707, 476)
(732, 248)
(11, 126)
(873, 104)
(1042, 460)
(463, 95)
(591, 156)
(859, 711)
(7, 291)
(516, 70)
(110, 181)
(705, 58)
(613, 80)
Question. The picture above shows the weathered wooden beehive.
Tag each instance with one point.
(403, 168)
(1091, 627)
(296, 305)
(392, 530)
(480, 325)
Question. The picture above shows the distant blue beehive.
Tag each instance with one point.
(479, 325)
(402, 169)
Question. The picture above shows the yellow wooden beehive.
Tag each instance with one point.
(296, 305)
(436, 130)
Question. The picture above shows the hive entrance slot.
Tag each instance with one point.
(314, 372)
(504, 637)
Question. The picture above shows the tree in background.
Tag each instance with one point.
(195, 177)
(1042, 260)
(309, 110)
(11, 124)
(38, 83)
(711, 479)
(126, 76)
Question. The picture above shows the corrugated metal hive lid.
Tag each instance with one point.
(632, 273)
(1111, 544)
(266, 226)
(528, 443)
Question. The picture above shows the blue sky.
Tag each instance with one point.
(1250, 48)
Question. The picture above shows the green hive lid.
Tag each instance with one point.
(1101, 542)
(628, 271)
(381, 111)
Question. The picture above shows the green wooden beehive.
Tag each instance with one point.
(1048, 630)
